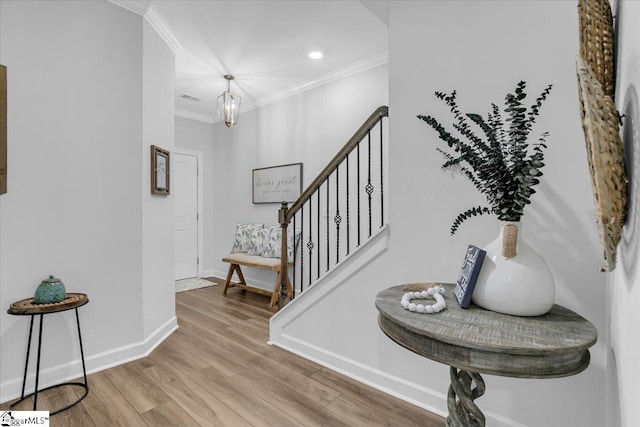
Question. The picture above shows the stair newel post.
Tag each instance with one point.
(284, 272)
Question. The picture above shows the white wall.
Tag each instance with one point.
(198, 136)
(481, 49)
(158, 94)
(310, 128)
(74, 205)
(623, 375)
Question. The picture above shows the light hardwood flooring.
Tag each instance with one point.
(218, 370)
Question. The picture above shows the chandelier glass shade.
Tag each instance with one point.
(229, 104)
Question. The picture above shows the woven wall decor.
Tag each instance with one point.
(606, 160)
(596, 41)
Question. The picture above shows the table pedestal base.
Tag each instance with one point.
(463, 412)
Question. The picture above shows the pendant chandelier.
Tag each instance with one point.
(229, 104)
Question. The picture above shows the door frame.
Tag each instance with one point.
(199, 156)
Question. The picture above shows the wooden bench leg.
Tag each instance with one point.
(227, 283)
(233, 268)
(276, 289)
(240, 275)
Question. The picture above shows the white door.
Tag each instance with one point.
(185, 191)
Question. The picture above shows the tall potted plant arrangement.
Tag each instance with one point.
(495, 154)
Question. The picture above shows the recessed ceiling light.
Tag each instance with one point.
(315, 54)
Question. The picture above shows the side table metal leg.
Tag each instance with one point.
(463, 412)
(35, 393)
(84, 368)
(85, 386)
(26, 363)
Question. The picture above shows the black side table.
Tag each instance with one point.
(27, 307)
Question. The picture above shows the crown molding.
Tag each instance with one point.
(195, 116)
(145, 9)
(164, 31)
(341, 73)
(139, 7)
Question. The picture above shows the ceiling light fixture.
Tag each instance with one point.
(316, 54)
(229, 104)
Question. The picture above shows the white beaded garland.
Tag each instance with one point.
(435, 292)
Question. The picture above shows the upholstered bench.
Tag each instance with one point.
(237, 259)
(258, 246)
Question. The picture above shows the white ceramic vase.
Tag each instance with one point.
(514, 278)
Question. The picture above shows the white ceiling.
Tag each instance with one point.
(265, 45)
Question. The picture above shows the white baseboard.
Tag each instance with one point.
(11, 389)
(413, 393)
(211, 273)
(431, 400)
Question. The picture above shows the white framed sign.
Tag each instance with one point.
(277, 184)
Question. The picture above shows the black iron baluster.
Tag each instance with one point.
(310, 244)
(327, 180)
(318, 191)
(358, 187)
(293, 258)
(347, 205)
(369, 187)
(301, 250)
(381, 179)
(337, 219)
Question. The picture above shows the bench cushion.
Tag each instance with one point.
(253, 261)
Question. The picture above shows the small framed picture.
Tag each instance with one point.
(159, 171)
(469, 272)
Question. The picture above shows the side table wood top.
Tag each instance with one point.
(27, 306)
(477, 340)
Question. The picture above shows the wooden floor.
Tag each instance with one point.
(218, 370)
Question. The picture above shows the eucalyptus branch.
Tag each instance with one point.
(480, 210)
(504, 167)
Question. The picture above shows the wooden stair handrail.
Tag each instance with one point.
(374, 118)
(285, 214)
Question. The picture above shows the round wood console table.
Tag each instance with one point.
(27, 307)
(474, 341)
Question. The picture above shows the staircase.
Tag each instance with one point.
(339, 213)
